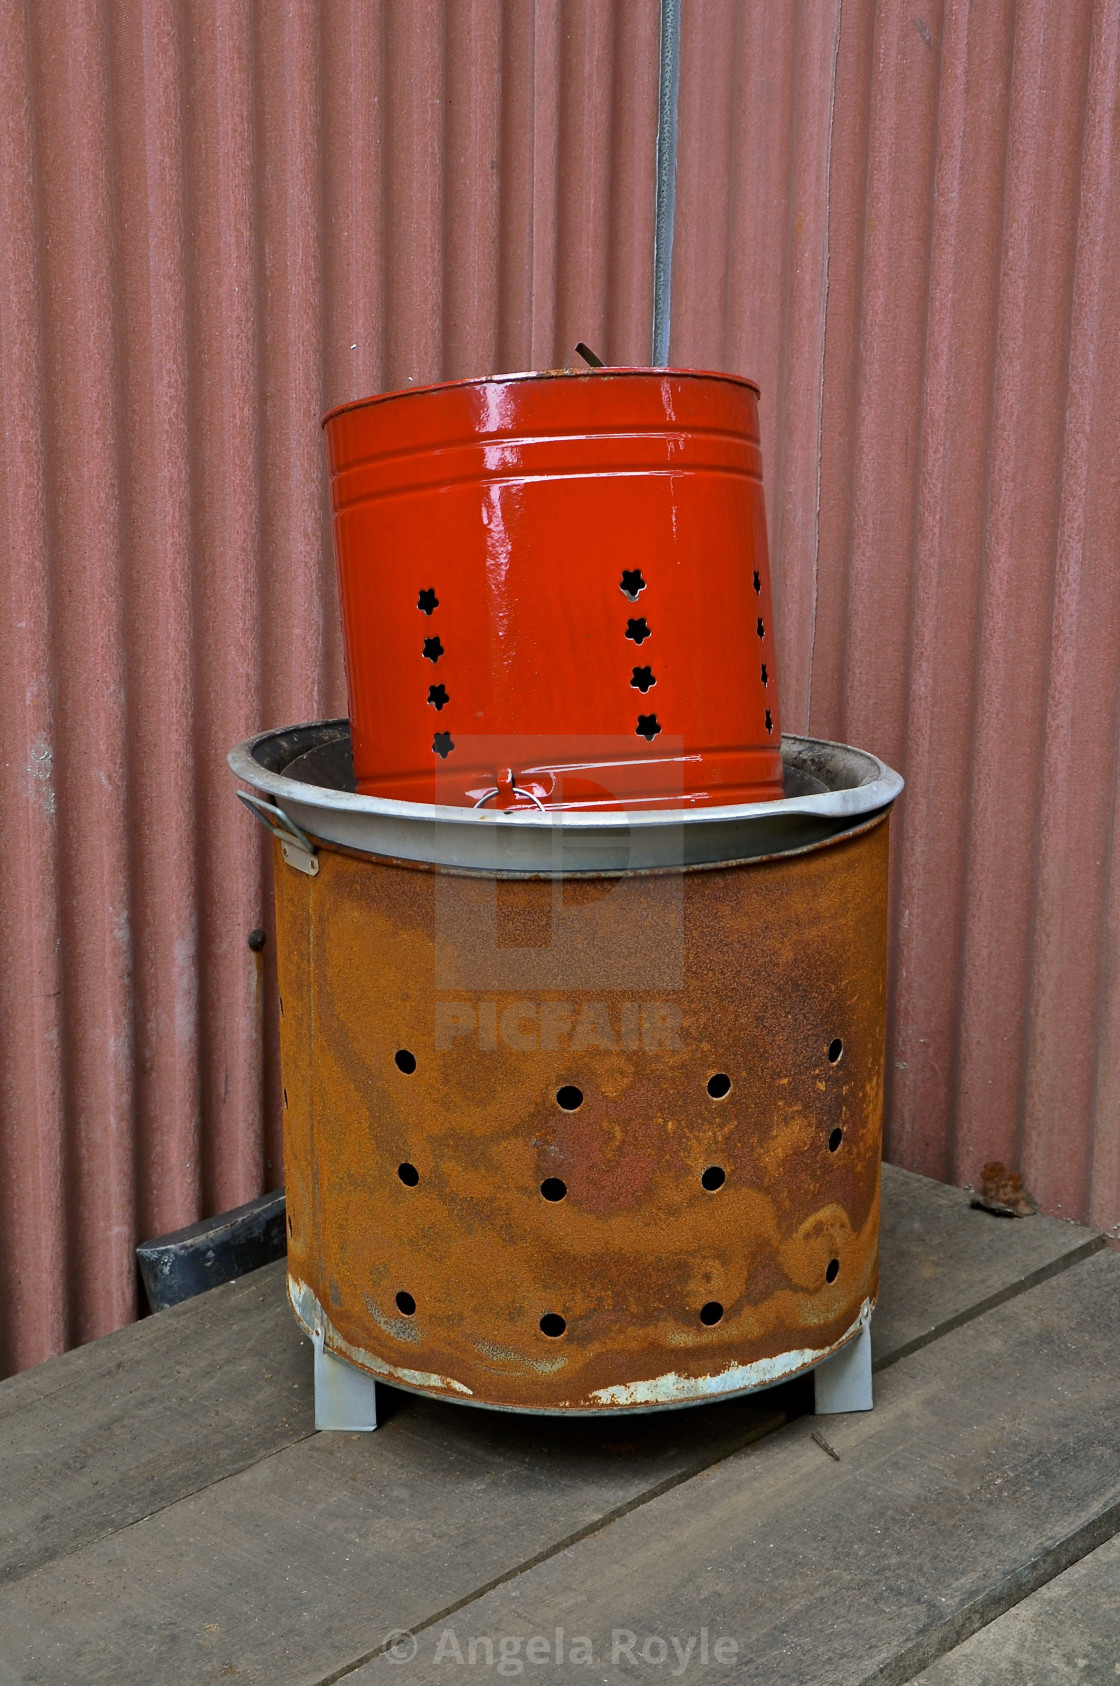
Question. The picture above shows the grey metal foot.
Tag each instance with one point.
(345, 1398)
(843, 1382)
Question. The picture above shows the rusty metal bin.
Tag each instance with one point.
(582, 1111)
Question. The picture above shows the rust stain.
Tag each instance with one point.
(1001, 1191)
(694, 1202)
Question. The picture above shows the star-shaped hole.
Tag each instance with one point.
(442, 745)
(769, 721)
(648, 727)
(643, 679)
(757, 583)
(760, 629)
(765, 675)
(433, 649)
(638, 630)
(427, 601)
(437, 696)
(631, 583)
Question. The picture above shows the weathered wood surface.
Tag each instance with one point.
(297, 1565)
(1065, 1634)
(104, 1435)
(991, 1460)
(943, 1261)
(181, 1535)
(118, 1429)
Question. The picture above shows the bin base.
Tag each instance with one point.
(346, 1398)
(843, 1382)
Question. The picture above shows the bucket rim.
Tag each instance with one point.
(591, 840)
(526, 375)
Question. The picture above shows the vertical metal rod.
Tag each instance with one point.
(666, 179)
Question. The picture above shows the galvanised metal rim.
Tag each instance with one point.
(856, 786)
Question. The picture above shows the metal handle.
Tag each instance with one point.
(295, 845)
(589, 357)
(517, 791)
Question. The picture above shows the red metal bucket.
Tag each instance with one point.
(555, 590)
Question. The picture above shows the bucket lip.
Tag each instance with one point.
(707, 834)
(525, 375)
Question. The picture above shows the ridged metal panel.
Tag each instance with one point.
(914, 247)
(217, 219)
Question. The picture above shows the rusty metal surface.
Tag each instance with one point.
(422, 1122)
(216, 219)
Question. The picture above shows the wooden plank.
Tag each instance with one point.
(283, 1572)
(1066, 1634)
(991, 1462)
(95, 1440)
(988, 1448)
(943, 1261)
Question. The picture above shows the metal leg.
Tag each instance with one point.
(843, 1382)
(345, 1398)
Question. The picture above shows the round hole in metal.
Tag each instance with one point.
(405, 1061)
(405, 1303)
(833, 1270)
(711, 1313)
(714, 1177)
(719, 1085)
(554, 1188)
(835, 1139)
(569, 1097)
(553, 1324)
(408, 1174)
(835, 1049)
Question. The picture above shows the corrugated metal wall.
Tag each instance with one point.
(217, 218)
(915, 242)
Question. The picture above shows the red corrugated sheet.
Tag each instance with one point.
(914, 241)
(217, 218)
